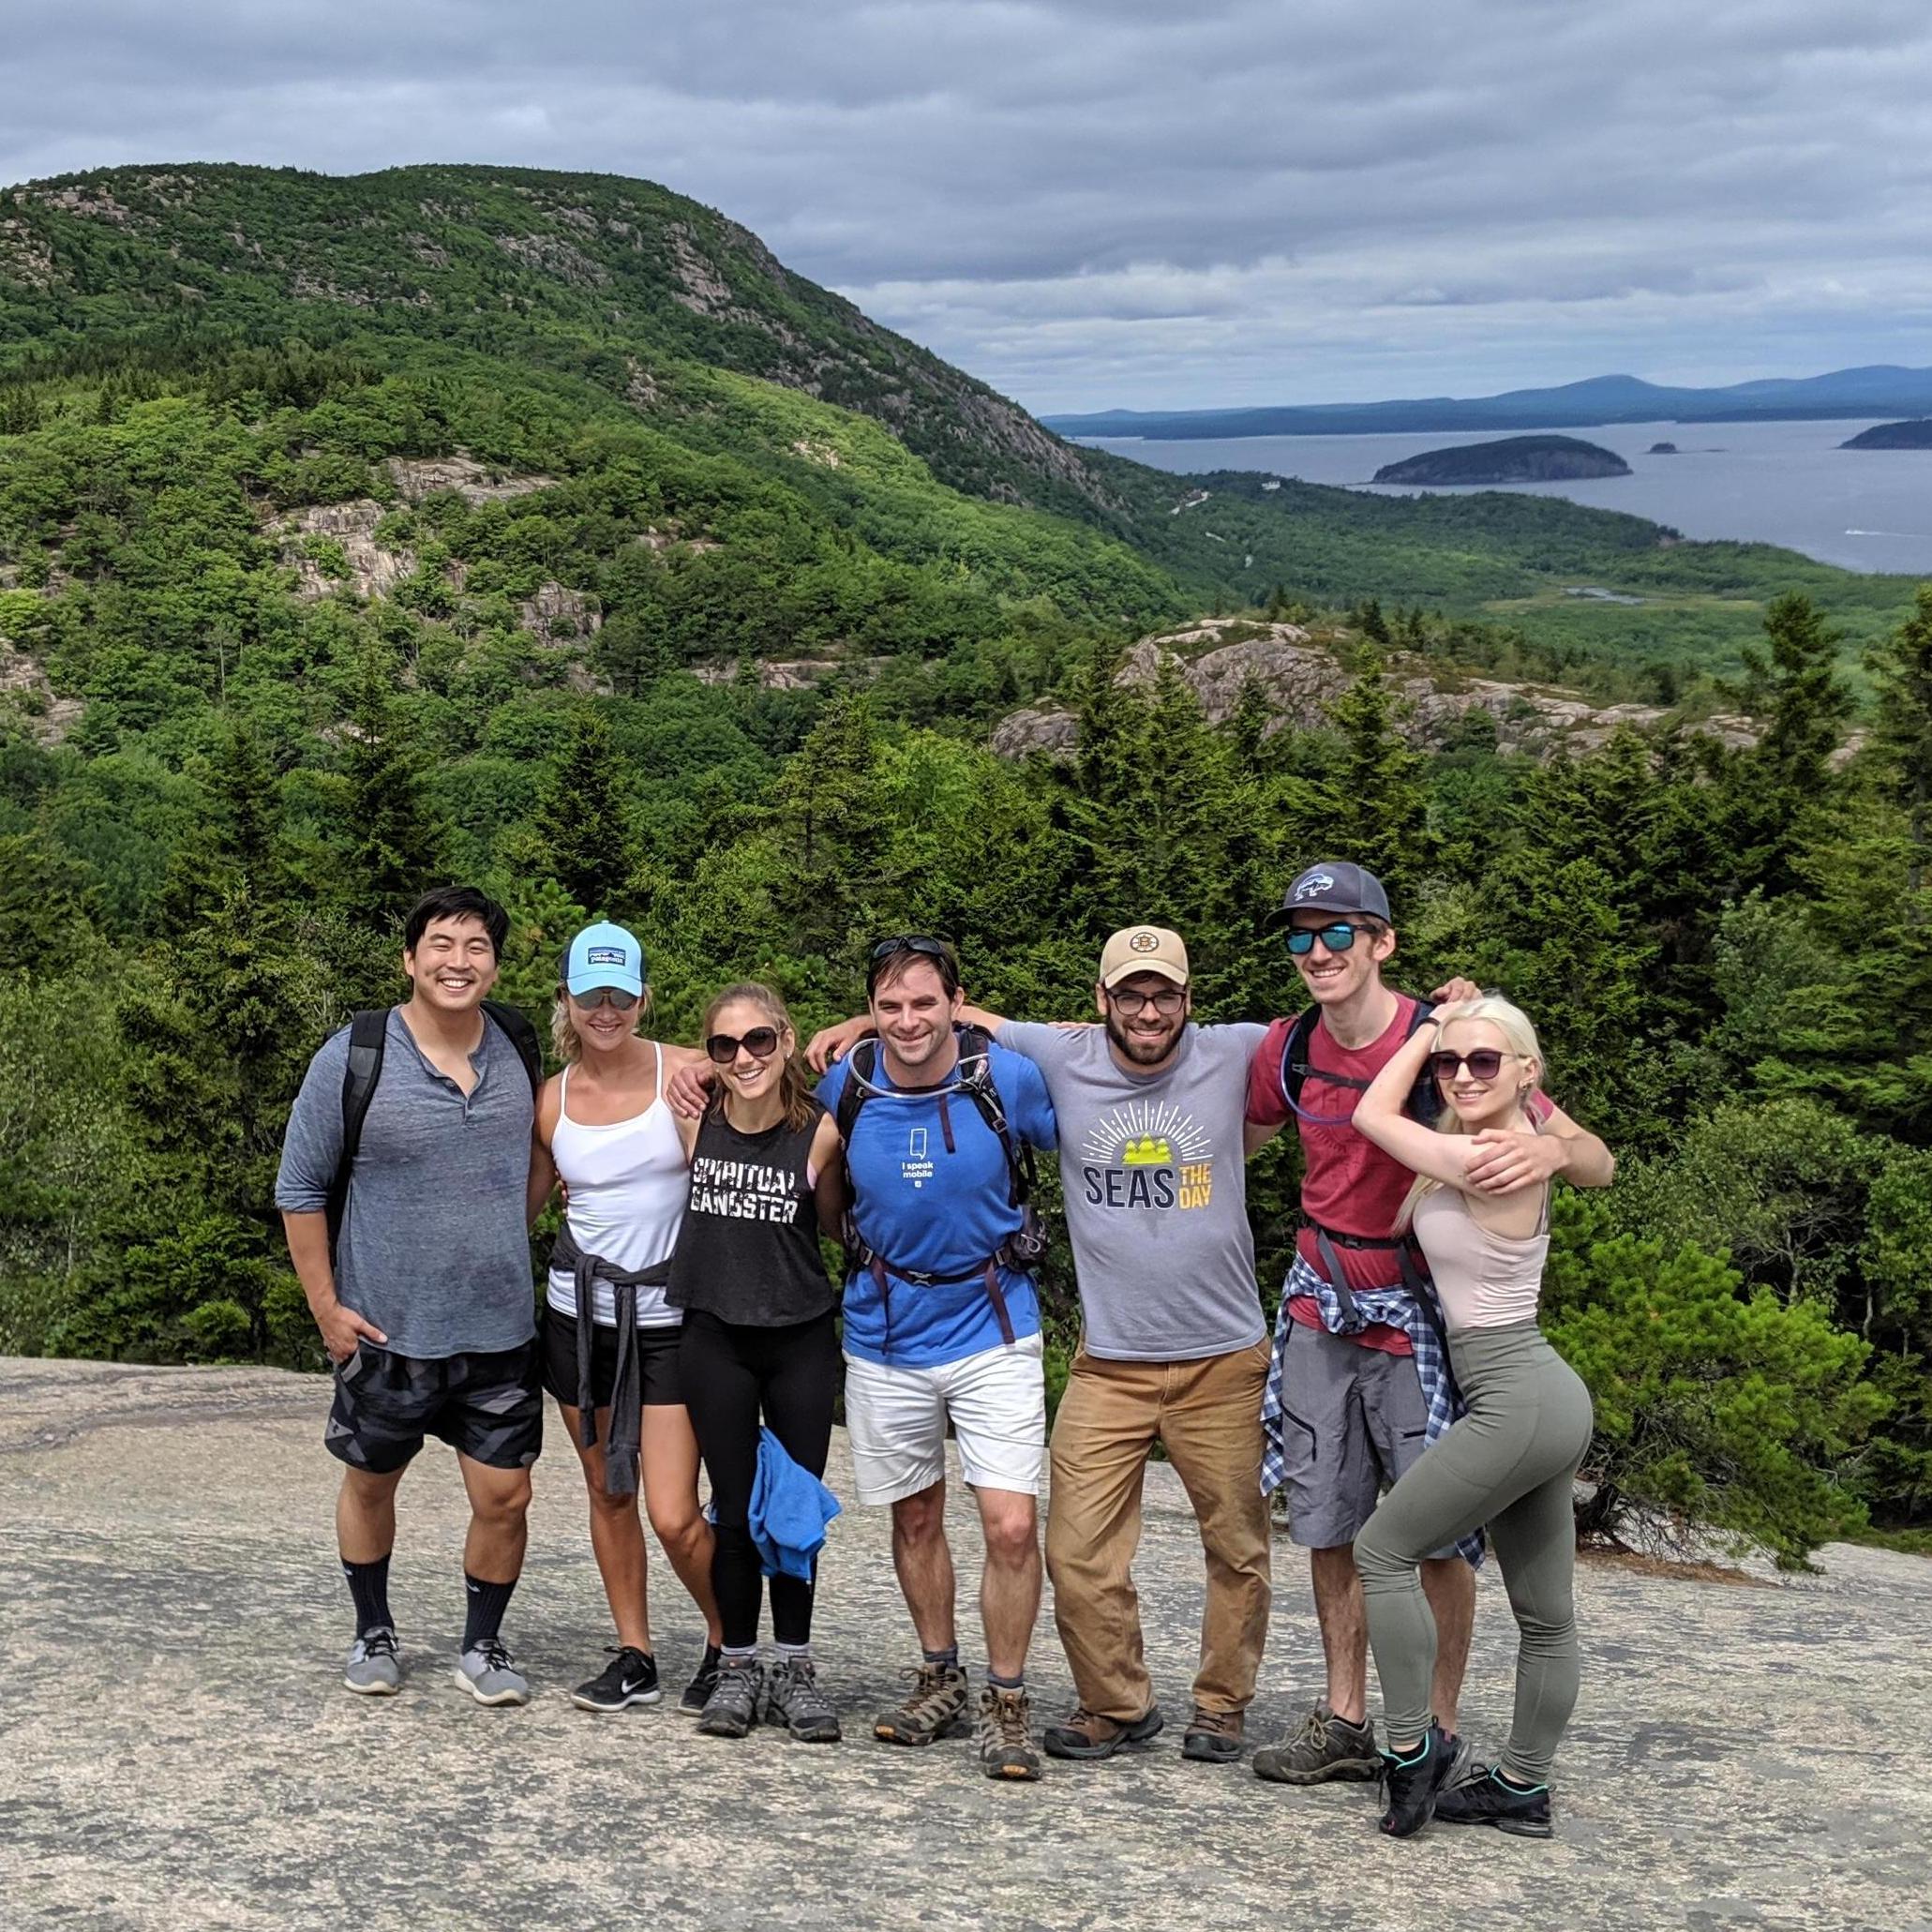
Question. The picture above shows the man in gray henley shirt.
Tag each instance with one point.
(426, 1307)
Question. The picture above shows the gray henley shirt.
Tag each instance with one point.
(433, 1249)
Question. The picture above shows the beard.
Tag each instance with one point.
(1141, 1052)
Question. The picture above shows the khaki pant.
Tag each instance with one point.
(1207, 1415)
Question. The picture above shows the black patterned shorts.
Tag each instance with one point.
(487, 1406)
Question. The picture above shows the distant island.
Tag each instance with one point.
(1917, 434)
(1514, 459)
(1881, 390)
(1663, 449)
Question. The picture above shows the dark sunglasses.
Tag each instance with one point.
(604, 996)
(920, 943)
(1485, 1063)
(1165, 1003)
(761, 1043)
(1337, 939)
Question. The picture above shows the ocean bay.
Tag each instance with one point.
(1785, 482)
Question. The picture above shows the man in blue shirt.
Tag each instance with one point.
(942, 1324)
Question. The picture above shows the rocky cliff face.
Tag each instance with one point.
(1302, 676)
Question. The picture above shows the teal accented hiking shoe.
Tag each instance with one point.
(374, 1667)
(1488, 1799)
(1412, 1784)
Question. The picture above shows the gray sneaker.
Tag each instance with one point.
(1323, 1746)
(732, 1708)
(794, 1699)
(374, 1668)
(487, 1674)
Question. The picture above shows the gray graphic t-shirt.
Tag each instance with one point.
(1156, 1191)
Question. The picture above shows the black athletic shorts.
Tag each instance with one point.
(489, 1406)
(657, 1361)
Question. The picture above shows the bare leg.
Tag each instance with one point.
(366, 1515)
(498, 1521)
(924, 1560)
(617, 1538)
(1449, 1584)
(1344, 1629)
(1009, 1587)
(669, 1468)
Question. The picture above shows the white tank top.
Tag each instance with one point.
(628, 1184)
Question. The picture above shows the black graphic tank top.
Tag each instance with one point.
(748, 1251)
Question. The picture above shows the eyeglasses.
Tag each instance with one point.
(604, 996)
(761, 1043)
(1167, 1003)
(1337, 939)
(1485, 1063)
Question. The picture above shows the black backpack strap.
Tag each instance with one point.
(1425, 1098)
(980, 1086)
(522, 1036)
(1295, 1065)
(367, 1033)
(860, 1063)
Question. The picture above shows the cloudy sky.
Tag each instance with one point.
(1139, 203)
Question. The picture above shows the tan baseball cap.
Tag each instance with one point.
(1143, 949)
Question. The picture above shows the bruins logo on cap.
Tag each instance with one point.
(1145, 941)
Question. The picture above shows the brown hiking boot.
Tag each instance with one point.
(935, 1707)
(1320, 1748)
(1212, 1737)
(1005, 1734)
(1087, 1734)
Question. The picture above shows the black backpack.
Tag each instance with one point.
(1424, 1102)
(369, 1033)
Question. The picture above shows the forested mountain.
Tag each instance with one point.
(542, 529)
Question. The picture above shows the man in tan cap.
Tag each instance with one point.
(1175, 1350)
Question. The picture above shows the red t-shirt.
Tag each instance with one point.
(1348, 1183)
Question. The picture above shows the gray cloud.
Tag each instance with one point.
(1140, 202)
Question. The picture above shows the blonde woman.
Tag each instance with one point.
(760, 1344)
(609, 1336)
(1507, 1464)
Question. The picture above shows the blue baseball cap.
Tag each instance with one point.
(605, 955)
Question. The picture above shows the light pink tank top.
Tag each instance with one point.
(1482, 1278)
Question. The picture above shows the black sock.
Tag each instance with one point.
(999, 1683)
(488, 1603)
(369, 1584)
(946, 1660)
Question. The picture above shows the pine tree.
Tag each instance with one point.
(1376, 790)
(583, 836)
(1901, 671)
(396, 841)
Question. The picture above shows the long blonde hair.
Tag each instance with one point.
(794, 1083)
(1520, 1036)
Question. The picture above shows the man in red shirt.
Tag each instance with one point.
(1359, 1383)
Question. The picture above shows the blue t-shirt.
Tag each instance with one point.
(936, 1210)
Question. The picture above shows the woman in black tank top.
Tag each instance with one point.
(759, 1343)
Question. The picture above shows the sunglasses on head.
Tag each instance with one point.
(922, 944)
(604, 996)
(1485, 1063)
(761, 1043)
(1337, 939)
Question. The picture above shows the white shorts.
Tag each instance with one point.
(895, 1419)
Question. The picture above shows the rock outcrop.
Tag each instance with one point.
(24, 691)
(416, 477)
(1301, 678)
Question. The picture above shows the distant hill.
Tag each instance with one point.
(1916, 434)
(1512, 459)
(1878, 391)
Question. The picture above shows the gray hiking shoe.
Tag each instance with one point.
(487, 1674)
(1323, 1746)
(794, 1699)
(935, 1707)
(1004, 1733)
(374, 1667)
(732, 1708)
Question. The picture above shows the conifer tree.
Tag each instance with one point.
(1375, 791)
(395, 840)
(583, 838)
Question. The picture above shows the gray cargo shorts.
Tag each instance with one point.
(1353, 1422)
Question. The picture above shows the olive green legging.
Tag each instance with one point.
(1506, 1465)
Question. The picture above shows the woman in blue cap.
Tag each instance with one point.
(610, 1339)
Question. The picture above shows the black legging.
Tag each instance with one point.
(728, 1372)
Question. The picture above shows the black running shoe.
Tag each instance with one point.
(697, 1692)
(1486, 1799)
(631, 1678)
(1411, 1785)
